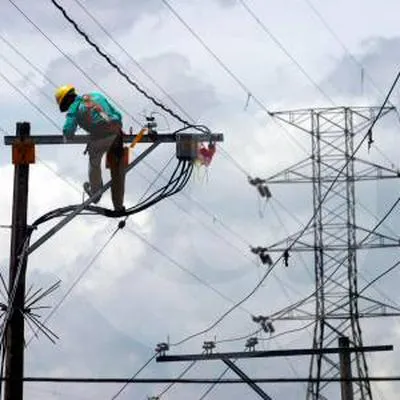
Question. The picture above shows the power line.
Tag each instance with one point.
(381, 221)
(380, 276)
(341, 43)
(284, 50)
(20, 73)
(84, 73)
(137, 64)
(133, 378)
(118, 68)
(212, 386)
(200, 381)
(79, 277)
(30, 101)
(182, 267)
(180, 376)
(39, 71)
(228, 70)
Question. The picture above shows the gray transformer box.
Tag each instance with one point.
(186, 147)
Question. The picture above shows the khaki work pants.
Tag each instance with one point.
(102, 141)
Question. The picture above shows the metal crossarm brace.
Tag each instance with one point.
(246, 379)
(80, 208)
(84, 139)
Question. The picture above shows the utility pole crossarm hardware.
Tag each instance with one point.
(83, 139)
(271, 353)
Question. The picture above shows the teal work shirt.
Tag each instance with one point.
(90, 111)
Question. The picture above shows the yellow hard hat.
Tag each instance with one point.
(62, 91)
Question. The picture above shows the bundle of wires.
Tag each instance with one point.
(178, 180)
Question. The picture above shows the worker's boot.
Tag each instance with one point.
(87, 189)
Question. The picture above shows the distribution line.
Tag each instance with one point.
(380, 276)
(229, 72)
(100, 251)
(212, 386)
(180, 376)
(78, 278)
(342, 44)
(183, 268)
(284, 50)
(116, 395)
(119, 69)
(137, 64)
(21, 74)
(84, 73)
(29, 100)
(38, 70)
(152, 79)
(253, 291)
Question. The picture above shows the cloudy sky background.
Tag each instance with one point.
(141, 289)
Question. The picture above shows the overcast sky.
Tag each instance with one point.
(256, 56)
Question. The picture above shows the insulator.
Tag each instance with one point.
(162, 347)
(261, 190)
(268, 193)
(266, 259)
(270, 327)
(208, 346)
(251, 343)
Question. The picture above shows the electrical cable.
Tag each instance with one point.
(137, 64)
(69, 58)
(79, 278)
(379, 277)
(122, 73)
(23, 76)
(30, 101)
(284, 50)
(116, 395)
(183, 268)
(213, 385)
(38, 70)
(180, 376)
(229, 72)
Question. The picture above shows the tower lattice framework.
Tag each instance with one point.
(334, 236)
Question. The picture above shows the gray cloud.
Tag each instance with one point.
(378, 56)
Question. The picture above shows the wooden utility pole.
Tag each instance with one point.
(345, 369)
(14, 336)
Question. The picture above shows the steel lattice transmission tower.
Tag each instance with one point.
(334, 236)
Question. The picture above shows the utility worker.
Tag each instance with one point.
(103, 122)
